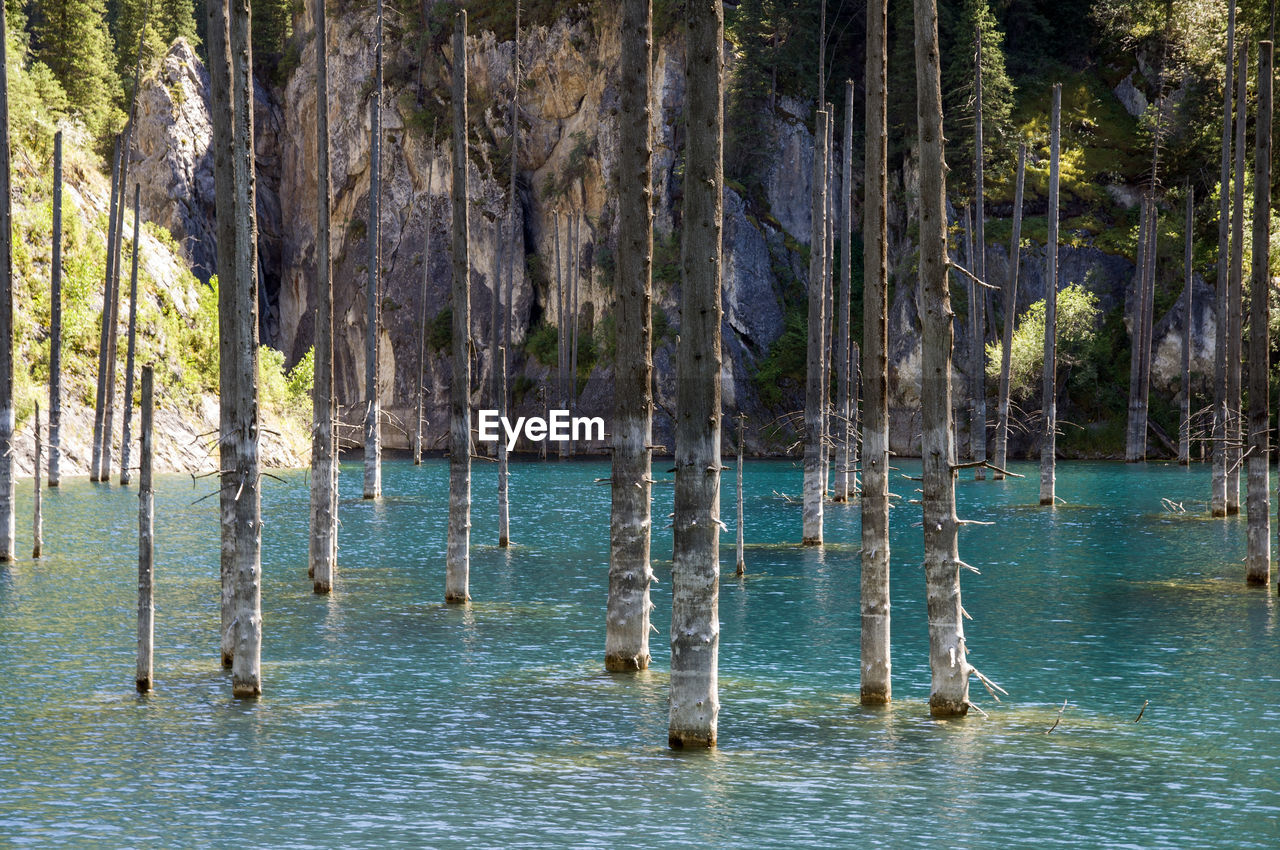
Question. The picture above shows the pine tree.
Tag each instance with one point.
(958, 86)
(71, 38)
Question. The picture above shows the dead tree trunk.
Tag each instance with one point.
(55, 323)
(1184, 413)
(373, 405)
(1050, 397)
(814, 450)
(419, 388)
(631, 522)
(1235, 434)
(575, 272)
(100, 402)
(504, 510)
(973, 292)
(1258, 560)
(1218, 488)
(843, 413)
(742, 439)
(875, 666)
(146, 541)
(828, 301)
(978, 260)
(695, 561)
(1010, 318)
(1148, 315)
(949, 692)
(131, 346)
(230, 71)
(324, 448)
(1135, 432)
(458, 560)
(37, 517)
(562, 337)
(7, 491)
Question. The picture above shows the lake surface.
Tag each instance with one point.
(391, 719)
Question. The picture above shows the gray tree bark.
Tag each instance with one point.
(949, 691)
(419, 387)
(37, 515)
(875, 665)
(323, 552)
(1184, 413)
(978, 425)
(575, 272)
(99, 404)
(131, 346)
(458, 558)
(1258, 558)
(146, 541)
(1010, 318)
(7, 491)
(814, 450)
(562, 336)
(55, 323)
(741, 569)
(504, 510)
(973, 293)
(1235, 434)
(1136, 426)
(695, 562)
(230, 71)
(631, 521)
(1148, 311)
(373, 405)
(828, 301)
(1050, 392)
(1218, 486)
(843, 414)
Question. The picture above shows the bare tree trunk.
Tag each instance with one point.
(132, 344)
(37, 517)
(55, 323)
(949, 693)
(458, 562)
(575, 271)
(631, 522)
(814, 450)
(7, 487)
(562, 336)
(1010, 318)
(1148, 311)
(1050, 396)
(1218, 489)
(146, 542)
(1135, 431)
(1184, 413)
(323, 553)
(851, 448)
(742, 439)
(695, 562)
(1235, 434)
(230, 67)
(828, 300)
(1258, 560)
(972, 291)
(978, 425)
(373, 405)
(845, 339)
(419, 389)
(100, 402)
(875, 666)
(504, 510)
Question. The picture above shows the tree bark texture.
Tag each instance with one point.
(1010, 319)
(978, 426)
(146, 540)
(55, 323)
(1049, 404)
(843, 412)
(1258, 557)
(504, 509)
(37, 515)
(1135, 427)
(1235, 433)
(99, 404)
(814, 450)
(131, 346)
(373, 406)
(458, 558)
(1184, 411)
(1218, 485)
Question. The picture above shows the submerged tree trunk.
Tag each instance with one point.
(814, 450)
(1184, 411)
(230, 68)
(1218, 487)
(131, 346)
(1235, 434)
(875, 666)
(843, 413)
(1135, 430)
(978, 425)
(949, 692)
(419, 388)
(7, 487)
(1010, 318)
(575, 270)
(1148, 317)
(373, 405)
(100, 402)
(695, 561)
(1258, 559)
(973, 292)
(323, 553)
(828, 300)
(1050, 397)
(741, 569)
(55, 323)
(146, 541)
(458, 558)
(630, 522)
(37, 518)
(504, 512)
(562, 337)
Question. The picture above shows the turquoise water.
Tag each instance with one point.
(389, 718)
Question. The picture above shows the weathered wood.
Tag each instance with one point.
(742, 438)
(1235, 434)
(132, 344)
(323, 549)
(1148, 318)
(1049, 398)
(373, 326)
(513, 247)
(419, 385)
(978, 262)
(695, 563)
(814, 450)
(631, 520)
(1010, 318)
(843, 413)
(949, 690)
(458, 559)
(1135, 440)
(37, 513)
(1184, 411)
(7, 485)
(875, 665)
(972, 292)
(575, 272)
(146, 539)
(1258, 557)
(562, 336)
(828, 300)
(55, 323)
(99, 404)
(1218, 485)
